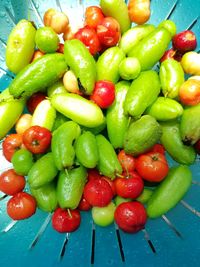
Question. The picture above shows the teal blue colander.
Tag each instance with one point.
(173, 240)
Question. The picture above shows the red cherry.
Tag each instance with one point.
(184, 41)
(84, 205)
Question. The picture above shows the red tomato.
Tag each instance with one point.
(21, 206)
(152, 166)
(37, 139)
(90, 39)
(139, 11)
(108, 32)
(37, 54)
(130, 216)
(34, 100)
(111, 183)
(103, 94)
(98, 192)
(11, 183)
(127, 161)
(93, 16)
(158, 148)
(11, 143)
(131, 186)
(84, 205)
(93, 174)
(66, 220)
(60, 48)
(197, 147)
(184, 41)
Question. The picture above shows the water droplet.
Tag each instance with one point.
(7, 20)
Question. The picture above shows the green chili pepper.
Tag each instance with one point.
(20, 46)
(142, 93)
(118, 10)
(86, 150)
(171, 140)
(46, 197)
(70, 187)
(62, 144)
(190, 125)
(131, 37)
(171, 77)
(150, 49)
(108, 64)
(43, 171)
(117, 121)
(108, 163)
(82, 63)
(164, 109)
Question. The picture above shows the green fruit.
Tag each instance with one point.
(118, 200)
(103, 216)
(129, 68)
(46, 40)
(22, 161)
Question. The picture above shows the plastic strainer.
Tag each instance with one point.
(173, 240)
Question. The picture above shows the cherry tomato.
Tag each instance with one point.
(108, 32)
(152, 166)
(84, 205)
(130, 216)
(189, 92)
(60, 48)
(23, 123)
(158, 148)
(65, 221)
(184, 41)
(93, 16)
(98, 192)
(103, 94)
(127, 161)
(37, 139)
(11, 143)
(34, 100)
(21, 206)
(11, 183)
(90, 39)
(131, 186)
(93, 174)
(197, 147)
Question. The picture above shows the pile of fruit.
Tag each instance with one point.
(98, 117)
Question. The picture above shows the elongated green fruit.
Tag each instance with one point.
(38, 75)
(117, 121)
(118, 10)
(20, 46)
(10, 111)
(108, 163)
(44, 115)
(167, 195)
(78, 109)
(82, 63)
(171, 140)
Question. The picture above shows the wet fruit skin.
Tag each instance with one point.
(130, 216)
(184, 41)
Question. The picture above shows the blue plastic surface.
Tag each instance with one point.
(93, 245)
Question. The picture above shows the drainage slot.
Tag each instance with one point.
(169, 223)
(120, 245)
(192, 24)
(147, 237)
(4, 196)
(93, 245)
(172, 10)
(62, 252)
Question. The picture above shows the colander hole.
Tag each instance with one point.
(172, 10)
(93, 246)
(147, 237)
(63, 249)
(120, 245)
(192, 24)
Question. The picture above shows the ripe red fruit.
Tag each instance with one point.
(11, 143)
(158, 148)
(93, 16)
(84, 205)
(34, 100)
(65, 221)
(98, 192)
(37, 139)
(21, 206)
(103, 94)
(184, 41)
(108, 32)
(93, 174)
(130, 216)
(131, 186)
(11, 183)
(168, 54)
(197, 147)
(127, 161)
(111, 183)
